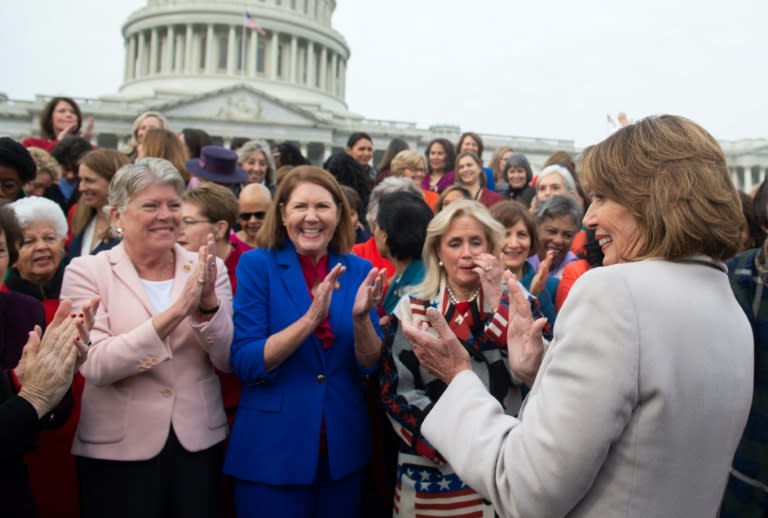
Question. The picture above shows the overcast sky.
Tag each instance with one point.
(534, 68)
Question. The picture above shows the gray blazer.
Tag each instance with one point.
(636, 411)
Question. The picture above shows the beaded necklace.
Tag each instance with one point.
(454, 300)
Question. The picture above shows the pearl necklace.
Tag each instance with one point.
(454, 300)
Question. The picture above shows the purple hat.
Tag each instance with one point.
(217, 164)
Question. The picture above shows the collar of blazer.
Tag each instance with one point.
(125, 271)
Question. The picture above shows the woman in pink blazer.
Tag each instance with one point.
(149, 441)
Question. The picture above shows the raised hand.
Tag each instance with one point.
(539, 281)
(206, 258)
(489, 270)
(443, 356)
(323, 292)
(370, 293)
(524, 341)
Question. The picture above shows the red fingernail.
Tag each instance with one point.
(81, 315)
(72, 315)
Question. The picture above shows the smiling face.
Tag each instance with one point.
(437, 157)
(256, 166)
(469, 172)
(517, 177)
(152, 219)
(63, 116)
(556, 234)
(516, 247)
(92, 187)
(416, 173)
(469, 144)
(616, 229)
(362, 151)
(464, 240)
(551, 185)
(40, 253)
(310, 217)
(149, 122)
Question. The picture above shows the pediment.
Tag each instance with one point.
(239, 103)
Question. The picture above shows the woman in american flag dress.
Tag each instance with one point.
(463, 281)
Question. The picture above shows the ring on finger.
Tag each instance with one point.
(201, 279)
(488, 268)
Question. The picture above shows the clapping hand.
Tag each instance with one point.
(443, 356)
(524, 341)
(370, 293)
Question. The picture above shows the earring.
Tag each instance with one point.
(120, 232)
(440, 264)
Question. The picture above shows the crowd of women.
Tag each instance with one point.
(408, 339)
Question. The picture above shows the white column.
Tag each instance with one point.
(232, 51)
(210, 57)
(130, 68)
(170, 44)
(311, 80)
(334, 64)
(153, 51)
(253, 49)
(294, 63)
(324, 68)
(303, 148)
(189, 39)
(140, 65)
(273, 55)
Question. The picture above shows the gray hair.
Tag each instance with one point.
(252, 146)
(36, 209)
(556, 206)
(565, 174)
(439, 225)
(133, 178)
(388, 185)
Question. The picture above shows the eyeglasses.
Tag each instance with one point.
(188, 222)
(246, 216)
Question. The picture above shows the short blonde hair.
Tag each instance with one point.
(45, 163)
(671, 174)
(494, 233)
(406, 159)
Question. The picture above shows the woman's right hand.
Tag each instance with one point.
(524, 341)
(539, 281)
(323, 292)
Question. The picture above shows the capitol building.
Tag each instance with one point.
(195, 62)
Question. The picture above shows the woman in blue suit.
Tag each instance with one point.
(304, 339)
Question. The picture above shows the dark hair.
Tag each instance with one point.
(521, 161)
(290, 154)
(9, 225)
(474, 136)
(46, 116)
(237, 142)
(509, 212)
(69, 151)
(561, 158)
(16, 156)
(756, 232)
(356, 136)
(404, 216)
(450, 153)
(760, 204)
(348, 172)
(395, 146)
(195, 139)
(354, 200)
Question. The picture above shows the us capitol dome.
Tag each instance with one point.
(283, 79)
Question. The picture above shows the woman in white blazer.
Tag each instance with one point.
(639, 401)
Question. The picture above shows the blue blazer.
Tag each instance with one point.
(276, 435)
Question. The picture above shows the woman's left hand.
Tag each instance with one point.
(490, 271)
(88, 315)
(370, 293)
(207, 261)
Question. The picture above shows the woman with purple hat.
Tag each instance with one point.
(218, 164)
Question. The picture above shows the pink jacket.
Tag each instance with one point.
(137, 385)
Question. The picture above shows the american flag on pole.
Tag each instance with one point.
(250, 23)
(425, 492)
